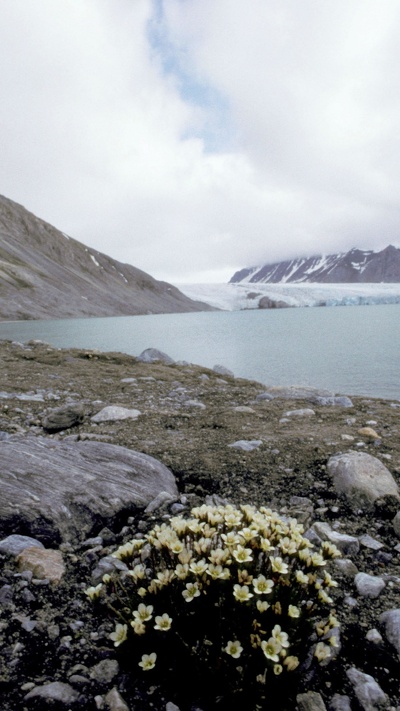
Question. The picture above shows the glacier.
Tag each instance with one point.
(242, 296)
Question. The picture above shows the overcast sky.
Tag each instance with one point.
(192, 138)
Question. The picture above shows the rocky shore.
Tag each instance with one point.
(98, 447)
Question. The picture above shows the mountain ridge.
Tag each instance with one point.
(354, 266)
(46, 274)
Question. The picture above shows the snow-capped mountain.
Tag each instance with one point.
(355, 266)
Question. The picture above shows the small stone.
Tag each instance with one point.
(195, 403)
(303, 412)
(310, 701)
(374, 636)
(368, 692)
(45, 563)
(105, 671)
(340, 702)
(244, 408)
(15, 544)
(162, 498)
(347, 438)
(115, 702)
(6, 594)
(113, 413)
(247, 445)
(368, 433)
(54, 693)
(396, 524)
(348, 545)
(391, 621)
(369, 585)
(369, 542)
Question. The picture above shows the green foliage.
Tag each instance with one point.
(236, 597)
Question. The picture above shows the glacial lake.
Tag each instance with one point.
(351, 350)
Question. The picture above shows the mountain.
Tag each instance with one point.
(355, 266)
(46, 274)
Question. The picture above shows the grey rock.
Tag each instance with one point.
(62, 489)
(152, 355)
(195, 403)
(164, 497)
(310, 701)
(340, 702)
(115, 702)
(303, 412)
(345, 567)
(335, 401)
(56, 692)
(112, 413)
(361, 478)
(396, 524)
(171, 707)
(348, 545)
(264, 396)
(15, 544)
(107, 565)
(247, 445)
(63, 417)
(368, 692)
(105, 671)
(371, 543)
(374, 636)
(6, 594)
(221, 370)
(369, 585)
(391, 623)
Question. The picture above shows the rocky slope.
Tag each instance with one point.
(355, 266)
(95, 448)
(45, 274)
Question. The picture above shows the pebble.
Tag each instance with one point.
(369, 542)
(247, 445)
(391, 621)
(113, 412)
(369, 585)
(303, 412)
(368, 692)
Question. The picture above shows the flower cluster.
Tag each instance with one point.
(225, 584)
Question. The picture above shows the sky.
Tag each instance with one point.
(192, 138)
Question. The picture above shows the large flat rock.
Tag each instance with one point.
(60, 490)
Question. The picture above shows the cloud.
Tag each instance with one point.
(192, 138)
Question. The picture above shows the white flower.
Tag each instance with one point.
(138, 626)
(192, 591)
(119, 635)
(242, 592)
(262, 605)
(322, 651)
(262, 586)
(163, 622)
(198, 567)
(143, 613)
(280, 636)
(148, 661)
(278, 566)
(94, 592)
(271, 649)
(242, 555)
(291, 663)
(234, 649)
(293, 611)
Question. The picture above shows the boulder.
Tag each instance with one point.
(362, 478)
(152, 355)
(62, 490)
(63, 417)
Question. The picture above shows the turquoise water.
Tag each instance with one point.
(352, 350)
